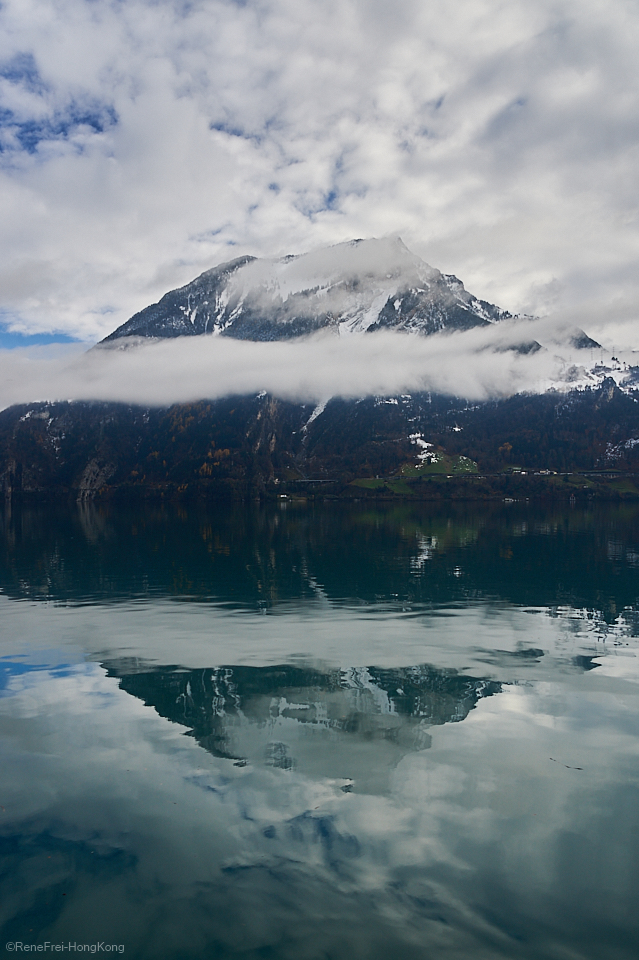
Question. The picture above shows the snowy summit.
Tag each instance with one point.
(353, 287)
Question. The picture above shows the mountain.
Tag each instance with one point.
(252, 446)
(421, 446)
(353, 287)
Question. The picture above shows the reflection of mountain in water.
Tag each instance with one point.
(249, 557)
(274, 714)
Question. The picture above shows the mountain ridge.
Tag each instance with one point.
(421, 446)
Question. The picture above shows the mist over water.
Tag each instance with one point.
(336, 730)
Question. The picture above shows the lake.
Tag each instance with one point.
(321, 731)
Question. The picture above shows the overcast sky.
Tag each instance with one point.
(143, 142)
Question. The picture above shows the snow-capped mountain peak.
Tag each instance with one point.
(351, 287)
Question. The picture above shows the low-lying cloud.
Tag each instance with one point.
(477, 364)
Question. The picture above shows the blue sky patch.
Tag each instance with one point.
(47, 123)
(22, 70)
(330, 200)
(10, 340)
(30, 133)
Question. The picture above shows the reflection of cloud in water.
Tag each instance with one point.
(481, 847)
(315, 823)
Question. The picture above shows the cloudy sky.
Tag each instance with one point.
(143, 142)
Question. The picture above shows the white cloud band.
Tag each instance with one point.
(476, 364)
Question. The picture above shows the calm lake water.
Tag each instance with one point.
(311, 732)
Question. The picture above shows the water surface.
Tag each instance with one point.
(334, 731)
